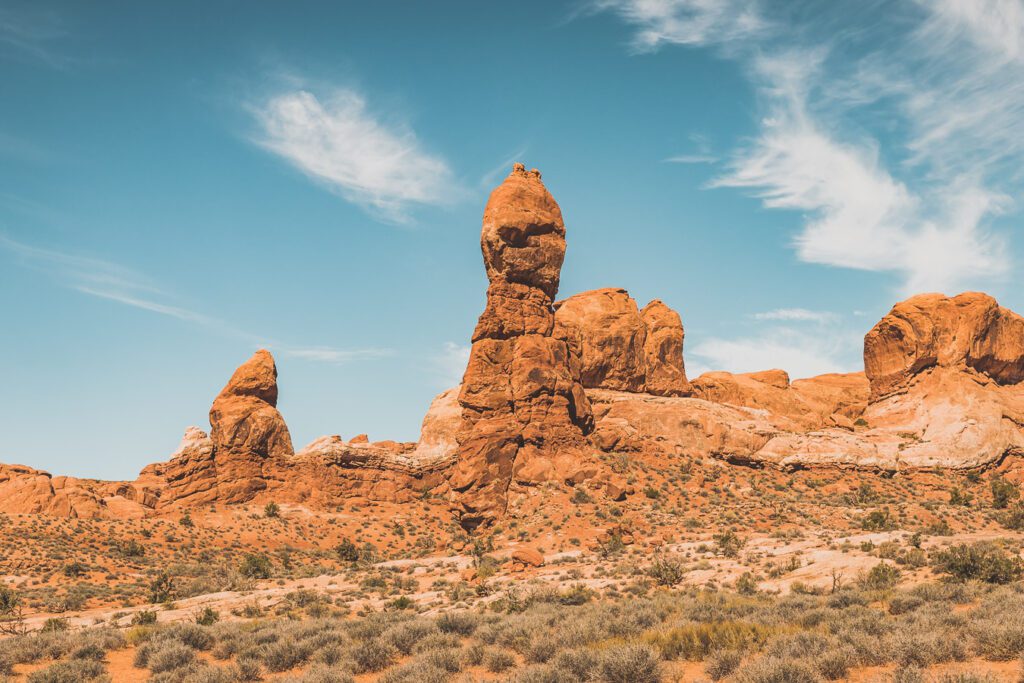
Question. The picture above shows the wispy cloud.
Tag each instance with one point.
(797, 315)
(688, 22)
(799, 352)
(897, 142)
(30, 33)
(326, 354)
(449, 364)
(337, 140)
(113, 282)
(692, 159)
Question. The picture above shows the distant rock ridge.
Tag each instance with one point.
(550, 386)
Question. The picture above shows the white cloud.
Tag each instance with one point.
(688, 22)
(800, 353)
(326, 354)
(692, 159)
(449, 364)
(897, 140)
(339, 142)
(113, 282)
(797, 315)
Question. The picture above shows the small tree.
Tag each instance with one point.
(1002, 493)
(667, 570)
(161, 588)
(12, 617)
(729, 544)
(255, 566)
(272, 510)
(347, 551)
(882, 576)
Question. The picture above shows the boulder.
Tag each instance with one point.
(528, 556)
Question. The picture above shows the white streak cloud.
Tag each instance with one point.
(338, 142)
(688, 22)
(797, 315)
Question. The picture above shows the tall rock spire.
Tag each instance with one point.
(524, 410)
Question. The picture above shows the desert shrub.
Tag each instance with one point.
(746, 584)
(168, 656)
(697, 641)
(207, 617)
(255, 566)
(1002, 493)
(577, 663)
(74, 671)
(722, 663)
(1013, 518)
(404, 636)
(998, 633)
(347, 551)
(461, 623)
(272, 510)
(883, 576)
(320, 673)
(144, 618)
(373, 655)
(630, 664)
(284, 655)
(91, 651)
(497, 660)
(910, 674)
(667, 570)
(161, 588)
(416, 672)
(836, 663)
(445, 658)
(729, 544)
(877, 520)
(247, 670)
(774, 670)
(985, 561)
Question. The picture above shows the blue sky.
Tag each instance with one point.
(180, 185)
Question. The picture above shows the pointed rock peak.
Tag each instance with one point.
(256, 377)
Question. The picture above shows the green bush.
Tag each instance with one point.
(1002, 493)
(255, 566)
(984, 561)
(882, 576)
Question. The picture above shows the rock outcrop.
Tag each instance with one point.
(620, 347)
(244, 417)
(524, 410)
(966, 332)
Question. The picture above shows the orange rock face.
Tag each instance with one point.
(244, 417)
(620, 347)
(930, 330)
(524, 410)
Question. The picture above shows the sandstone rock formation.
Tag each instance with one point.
(620, 347)
(524, 410)
(826, 400)
(244, 417)
(969, 331)
(941, 389)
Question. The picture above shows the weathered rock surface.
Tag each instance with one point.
(524, 410)
(244, 417)
(811, 403)
(941, 389)
(966, 332)
(621, 347)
